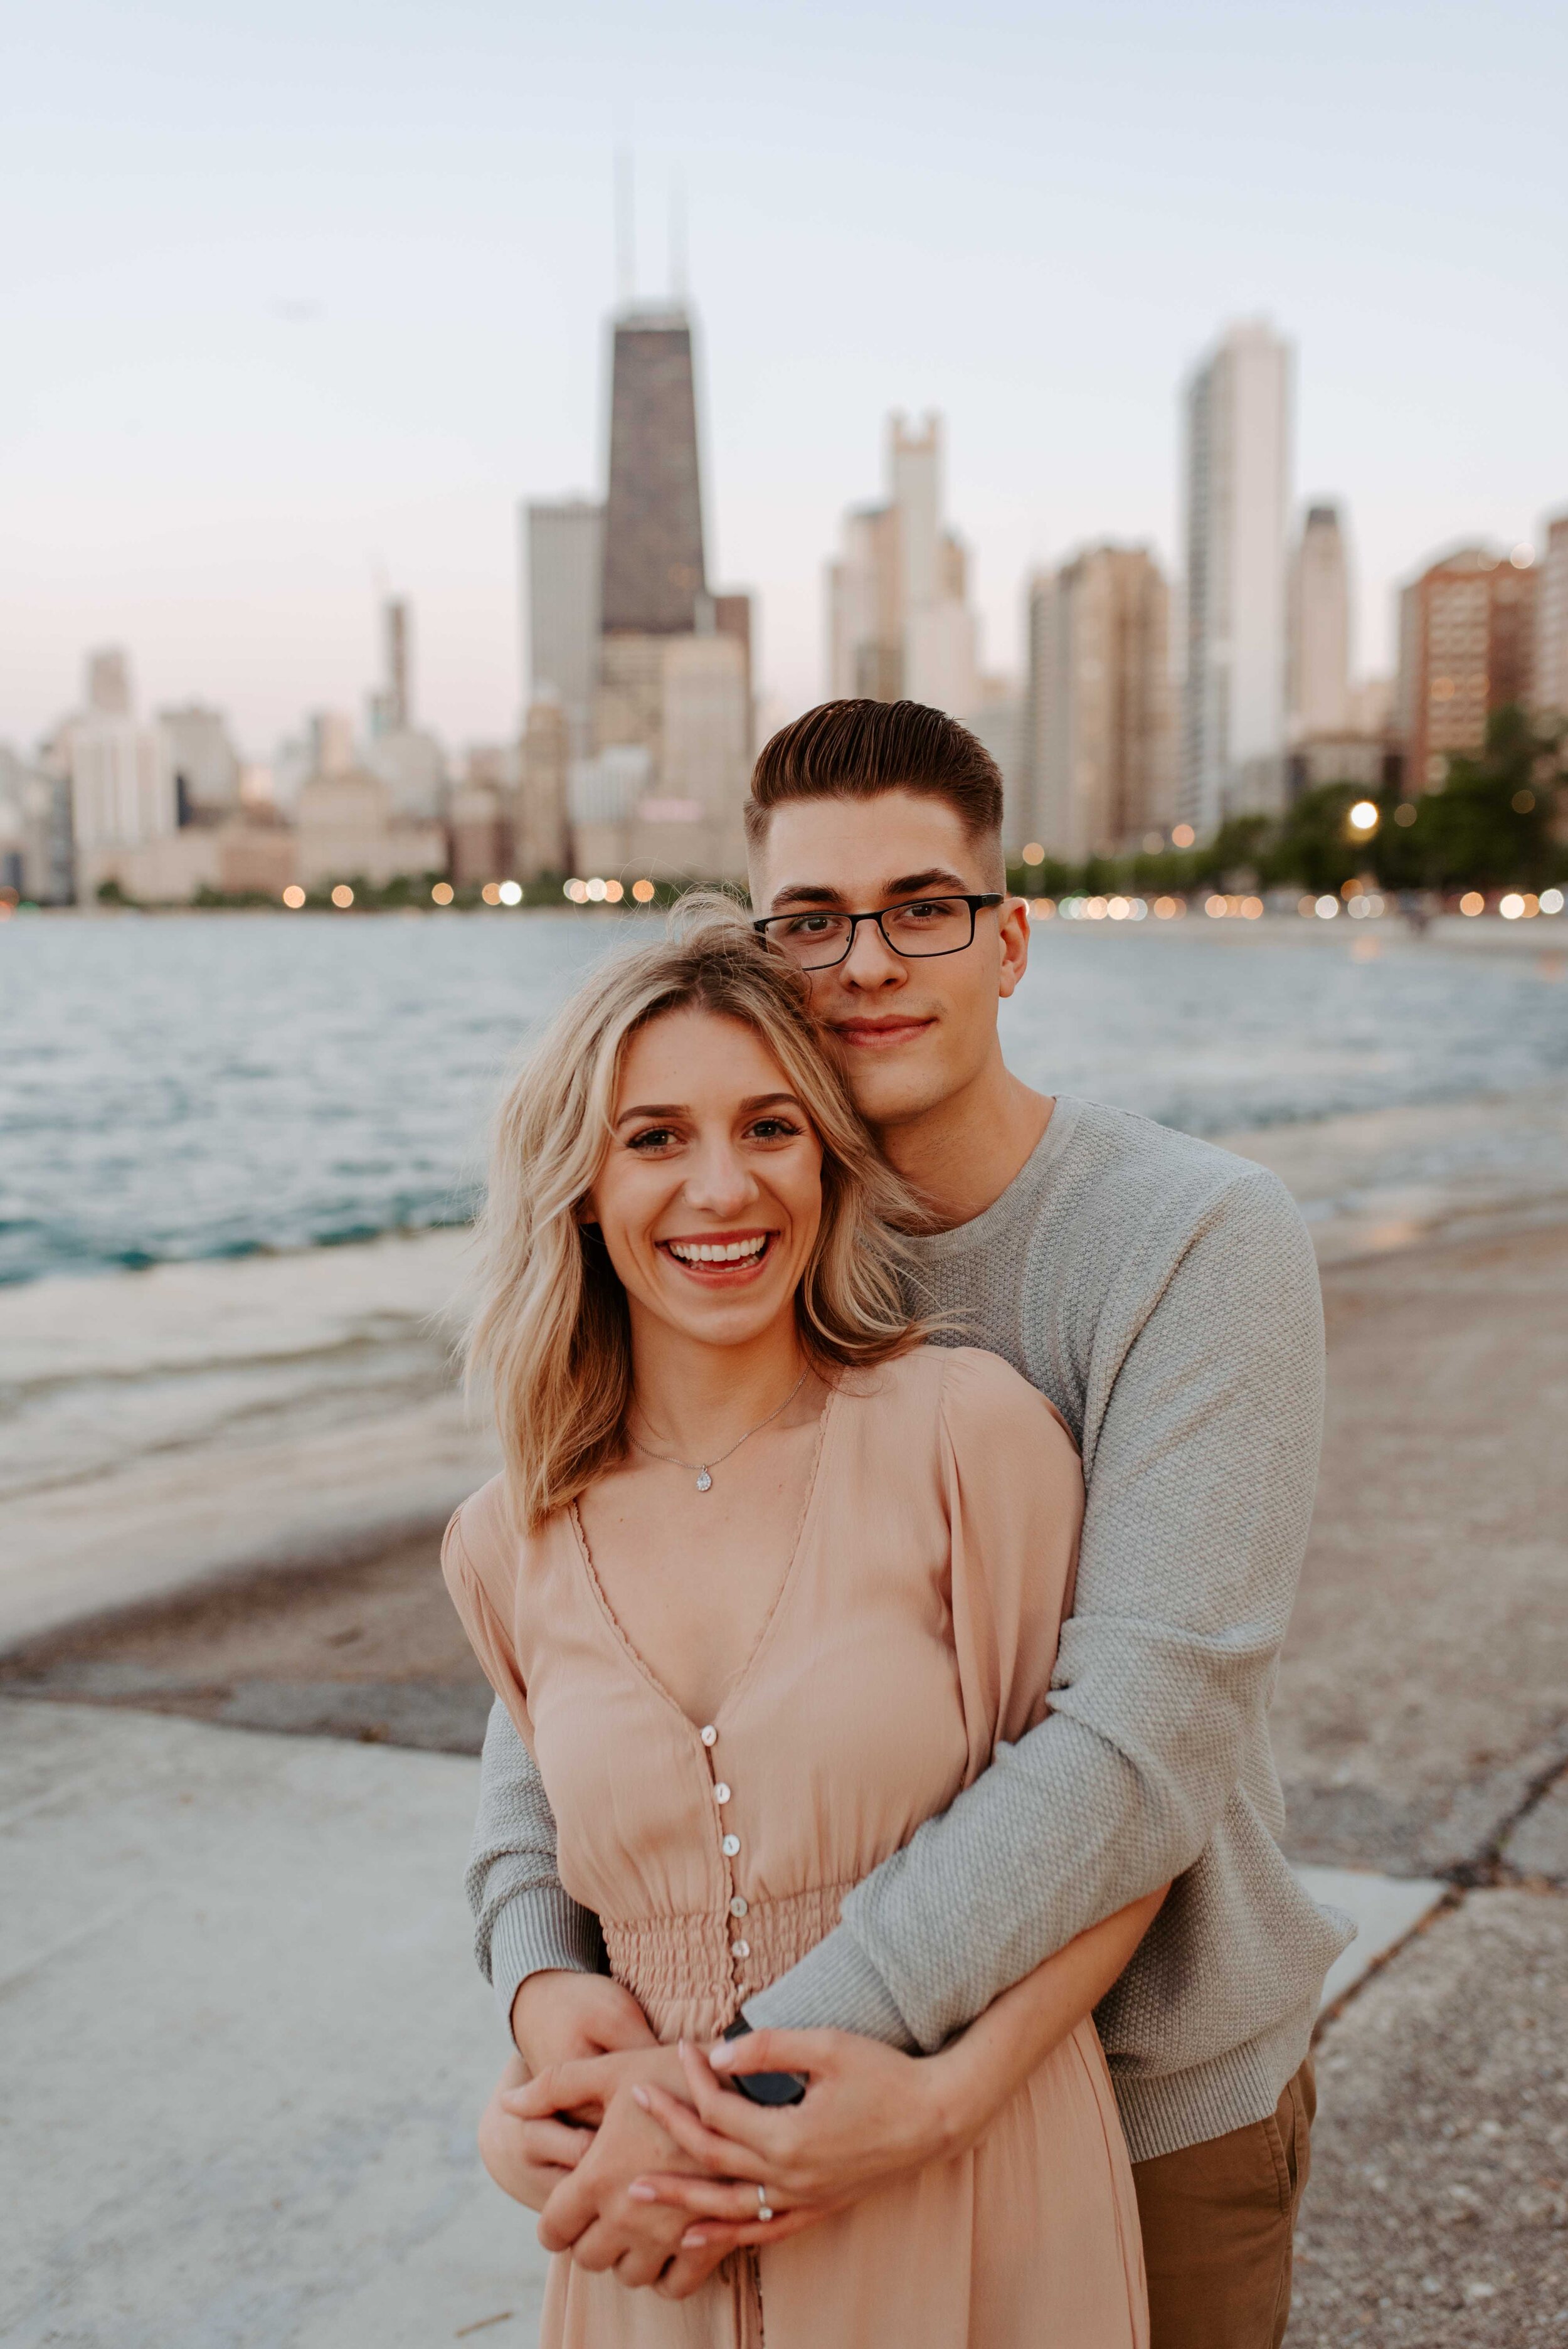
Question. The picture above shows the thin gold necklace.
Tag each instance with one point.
(703, 1469)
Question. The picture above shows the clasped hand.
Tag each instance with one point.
(667, 2181)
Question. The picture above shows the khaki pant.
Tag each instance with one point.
(1217, 2221)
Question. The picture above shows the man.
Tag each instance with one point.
(1163, 1296)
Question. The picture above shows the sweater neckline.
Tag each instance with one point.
(982, 1230)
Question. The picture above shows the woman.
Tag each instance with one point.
(765, 1579)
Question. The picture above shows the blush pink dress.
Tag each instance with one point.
(915, 1629)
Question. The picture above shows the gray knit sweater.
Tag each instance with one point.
(1164, 1295)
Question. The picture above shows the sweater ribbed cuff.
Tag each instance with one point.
(835, 1987)
(534, 1932)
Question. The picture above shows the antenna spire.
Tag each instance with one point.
(677, 240)
(625, 229)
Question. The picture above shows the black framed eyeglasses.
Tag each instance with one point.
(817, 938)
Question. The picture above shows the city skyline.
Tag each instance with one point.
(293, 306)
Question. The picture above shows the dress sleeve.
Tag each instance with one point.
(524, 1921)
(478, 1613)
(1014, 1490)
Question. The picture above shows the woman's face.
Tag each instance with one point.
(711, 1193)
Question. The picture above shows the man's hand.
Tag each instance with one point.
(527, 2160)
(558, 2017)
(869, 2112)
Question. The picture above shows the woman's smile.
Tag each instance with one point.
(719, 1260)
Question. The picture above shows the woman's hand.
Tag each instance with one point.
(868, 2114)
(582, 2087)
(591, 2212)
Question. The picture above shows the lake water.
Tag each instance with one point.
(212, 1085)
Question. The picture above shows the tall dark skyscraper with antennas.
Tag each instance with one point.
(654, 581)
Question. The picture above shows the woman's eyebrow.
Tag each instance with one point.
(749, 1107)
(652, 1109)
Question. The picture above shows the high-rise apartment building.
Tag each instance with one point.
(1467, 630)
(900, 625)
(564, 560)
(1319, 605)
(1099, 715)
(1237, 469)
(122, 785)
(205, 763)
(406, 758)
(392, 705)
(1551, 683)
(108, 682)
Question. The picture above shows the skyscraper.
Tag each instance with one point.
(655, 572)
(564, 556)
(1551, 690)
(1319, 699)
(122, 786)
(899, 618)
(1467, 628)
(1237, 495)
(1099, 703)
(663, 789)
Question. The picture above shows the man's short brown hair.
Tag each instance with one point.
(855, 749)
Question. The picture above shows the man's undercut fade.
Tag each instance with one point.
(858, 750)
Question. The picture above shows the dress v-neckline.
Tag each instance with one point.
(748, 1665)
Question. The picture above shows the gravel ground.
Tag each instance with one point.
(1423, 1698)
(1438, 2210)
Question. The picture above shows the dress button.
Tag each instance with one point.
(721, 1793)
(709, 1735)
(741, 1949)
(730, 1846)
(738, 1907)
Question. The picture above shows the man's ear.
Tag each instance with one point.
(1013, 918)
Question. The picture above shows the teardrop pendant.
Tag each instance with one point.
(703, 1480)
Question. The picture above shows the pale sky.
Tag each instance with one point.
(298, 293)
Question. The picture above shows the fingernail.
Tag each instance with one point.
(693, 2240)
(721, 2055)
(641, 2193)
(640, 2096)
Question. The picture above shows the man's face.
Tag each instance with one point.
(913, 1032)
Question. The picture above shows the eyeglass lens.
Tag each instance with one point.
(932, 926)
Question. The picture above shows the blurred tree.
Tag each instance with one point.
(1315, 848)
(1492, 821)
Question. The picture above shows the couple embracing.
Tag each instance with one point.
(906, 1480)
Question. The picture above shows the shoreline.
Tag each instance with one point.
(297, 1412)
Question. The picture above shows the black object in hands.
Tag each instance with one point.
(765, 2087)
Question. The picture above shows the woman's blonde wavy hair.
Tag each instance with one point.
(552, 1334)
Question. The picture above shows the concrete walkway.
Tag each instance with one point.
(244, 2046)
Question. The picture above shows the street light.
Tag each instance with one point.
(1364, 818)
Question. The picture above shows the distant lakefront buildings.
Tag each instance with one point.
(1146, 712)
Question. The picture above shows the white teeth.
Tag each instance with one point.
(728, 1252)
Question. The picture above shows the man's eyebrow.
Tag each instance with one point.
(907, 885)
